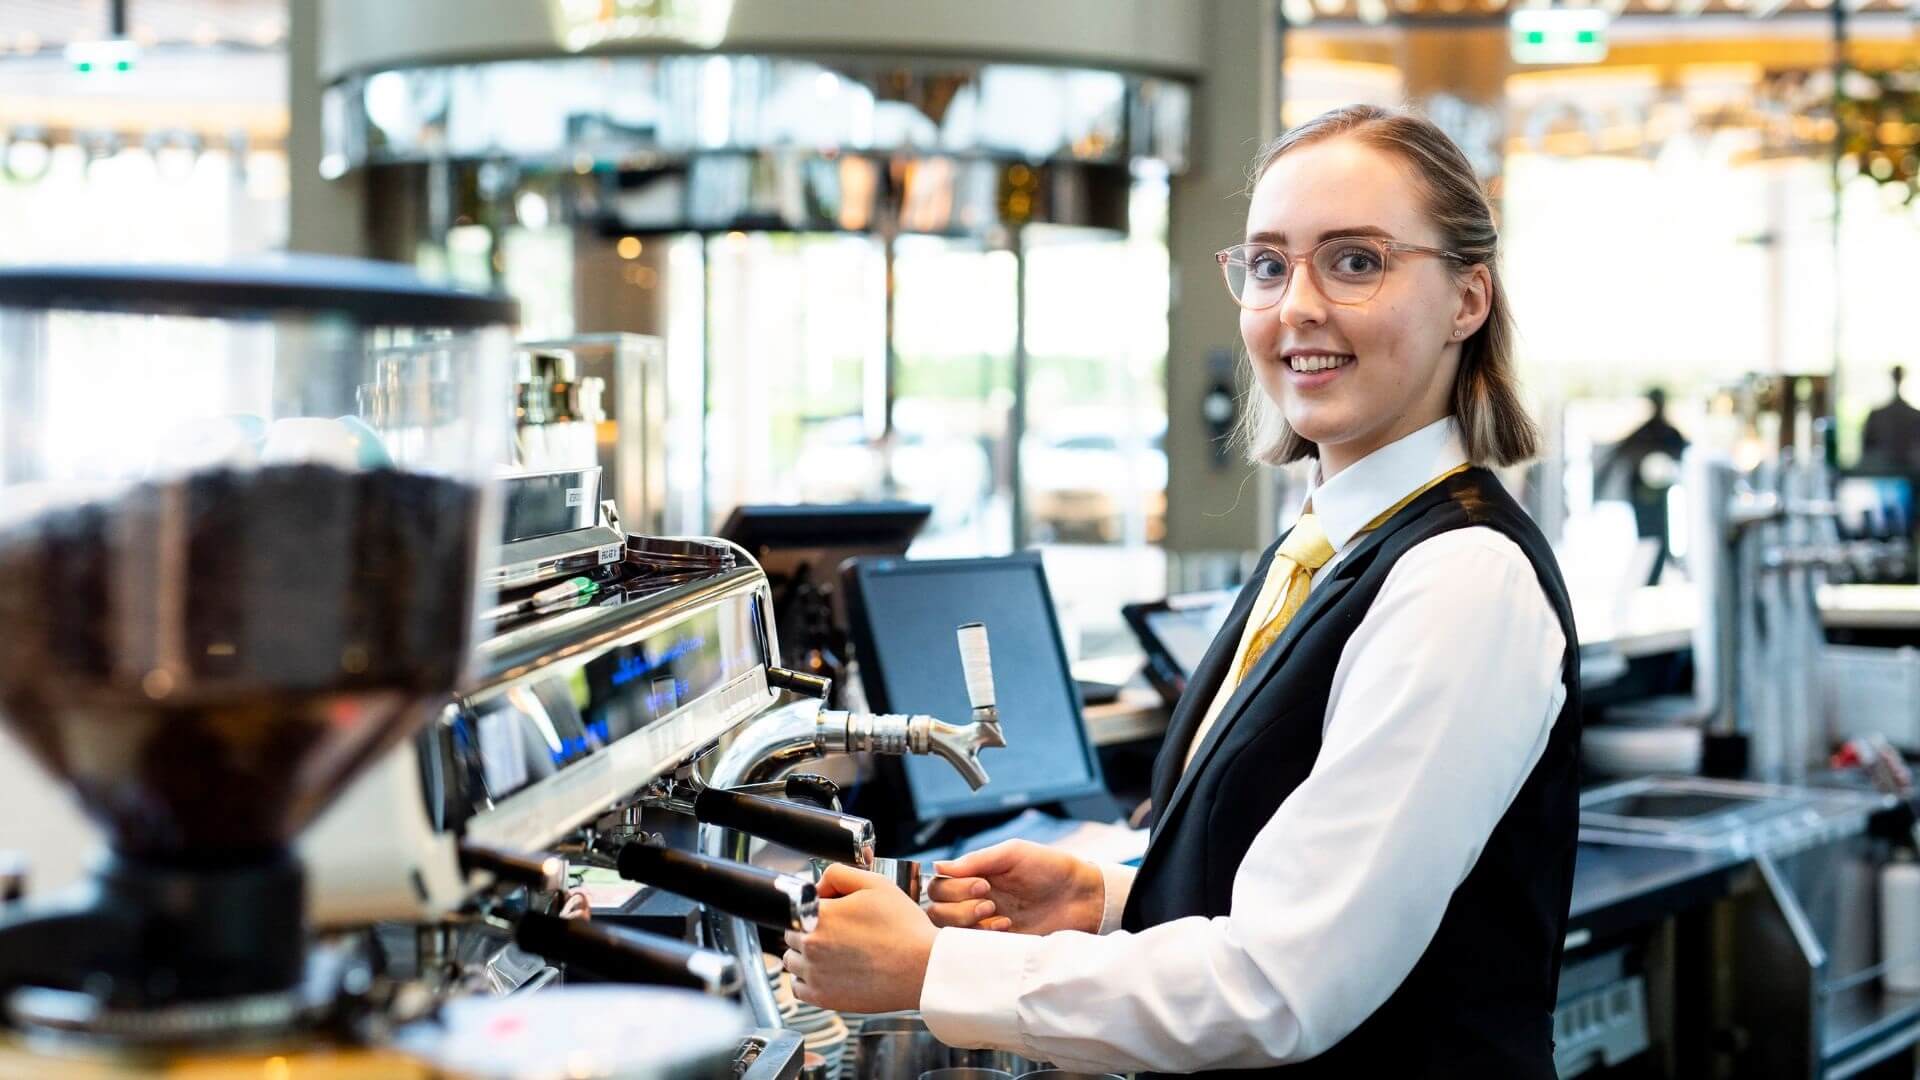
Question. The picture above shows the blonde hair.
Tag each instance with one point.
(1493, 423)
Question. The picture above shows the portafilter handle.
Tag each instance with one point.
(13, 876)
(810, 788)
(780, 901)
(798, 682)
(823, 834)
(539, 871)
(620, 954)
(815, 789)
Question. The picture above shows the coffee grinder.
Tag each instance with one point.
(225, 585)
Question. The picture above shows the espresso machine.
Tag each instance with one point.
(269, 620)
(637, 729)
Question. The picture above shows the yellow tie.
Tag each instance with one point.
(1282, 594)
(1304, 551)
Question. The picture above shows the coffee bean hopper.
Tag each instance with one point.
(223, 590)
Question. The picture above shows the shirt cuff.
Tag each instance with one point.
(971, 998)
(1118, 880)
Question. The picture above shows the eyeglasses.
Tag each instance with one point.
(1346, 269)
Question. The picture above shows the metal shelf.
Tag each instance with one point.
(1866, 1024)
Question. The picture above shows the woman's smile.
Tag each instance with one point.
(1311, 369)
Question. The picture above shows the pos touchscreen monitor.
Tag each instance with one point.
(903, 615)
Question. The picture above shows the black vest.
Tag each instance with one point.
(1479, 1002)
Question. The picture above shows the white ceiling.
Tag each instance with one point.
(57, 22)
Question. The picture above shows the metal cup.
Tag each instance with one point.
(998, 1060)
(898, 1046)
(905, 873)
(1064, 1074)
(965, 1074)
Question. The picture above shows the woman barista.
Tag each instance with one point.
(1366, 804)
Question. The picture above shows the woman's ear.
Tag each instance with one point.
(1476, 301)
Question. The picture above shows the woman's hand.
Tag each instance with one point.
(577, 906)
(869, 951)
(1021, 886)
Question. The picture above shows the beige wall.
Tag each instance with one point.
(1211, 506)
(324, 216)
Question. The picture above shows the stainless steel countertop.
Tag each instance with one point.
(1606, 876)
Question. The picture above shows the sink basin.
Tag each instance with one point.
(1731, 816)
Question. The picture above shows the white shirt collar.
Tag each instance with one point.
(1369, 487)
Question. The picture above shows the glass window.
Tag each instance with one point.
(953, 337)
(793, 341)
(172, 204)
(1093, 461)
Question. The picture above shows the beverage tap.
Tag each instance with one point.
(781, 740)
(958, 744)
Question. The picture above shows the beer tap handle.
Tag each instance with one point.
(977, 664)
(541, 872)
(780, 901)
(823, 834)
(619, 954)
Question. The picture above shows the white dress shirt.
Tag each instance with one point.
(1441, 704)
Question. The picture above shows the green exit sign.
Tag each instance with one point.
(111, 56)
(1557, 35)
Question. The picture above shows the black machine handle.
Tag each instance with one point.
(620, 954)
(13, 876)
(798, 682)
(540, 871)
(823, 834)
(814, 788)
(779, 901)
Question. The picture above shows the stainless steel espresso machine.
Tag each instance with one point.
(635, 731)
(249, 516)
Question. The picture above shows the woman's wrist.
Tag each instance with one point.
(1090, 896)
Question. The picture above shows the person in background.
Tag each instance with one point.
(1368, 797)
(1891, 440)
(1641, 468)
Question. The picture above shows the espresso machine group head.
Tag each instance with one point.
(620, 734)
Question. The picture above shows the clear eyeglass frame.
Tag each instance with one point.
(1347, 288)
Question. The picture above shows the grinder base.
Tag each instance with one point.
(153, 953)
